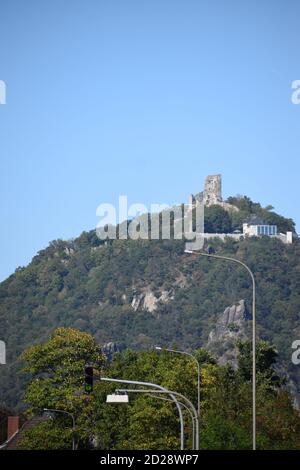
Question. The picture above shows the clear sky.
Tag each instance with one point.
(143, 98)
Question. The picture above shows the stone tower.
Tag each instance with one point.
(212, 194)
(213, 190)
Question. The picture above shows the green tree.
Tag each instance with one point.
(149, 423)
(56, 368)
(217, 220)
(266, 356)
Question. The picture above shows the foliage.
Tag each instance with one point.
(217, 220)
(56, 370)
(53, 434)
(151, 423)
(247, 208)
(89, 285)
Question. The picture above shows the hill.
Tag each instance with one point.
(145, 292)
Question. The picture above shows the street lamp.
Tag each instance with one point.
(234, 260)
(53, 410)
(115, 398)
(162, 389)
(188, 410)
(188, 405)
(158, 348)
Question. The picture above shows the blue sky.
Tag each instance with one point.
(143, 98)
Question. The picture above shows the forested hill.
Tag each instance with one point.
(141, 293)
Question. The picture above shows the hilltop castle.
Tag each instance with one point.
(212, 194)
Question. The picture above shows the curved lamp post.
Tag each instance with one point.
(53, 410)
(188, 405)
(185, 407)
(194, 359)
(162, 390)
(188, 402)
(234, 260)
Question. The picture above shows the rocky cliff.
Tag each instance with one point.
(231, 326)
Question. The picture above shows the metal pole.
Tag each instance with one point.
(69, 414)
(162, 389)
(234, 260)
(187, 408)
(198, 367)
(193, 409)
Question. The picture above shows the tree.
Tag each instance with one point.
(147, 422)
(266, 356)
(217, 220)
(56, 368)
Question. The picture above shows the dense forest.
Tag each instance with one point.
(148, 421)
(100, 287)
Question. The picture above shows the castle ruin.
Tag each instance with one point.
(212, 194)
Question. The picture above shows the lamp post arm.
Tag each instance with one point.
(54, 410)
(198, 368)
(176, 394)
(160, 388)
(186, 408)
(241, 263)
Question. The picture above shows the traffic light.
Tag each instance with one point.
(89, 379)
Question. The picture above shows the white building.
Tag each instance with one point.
(256, 230)
(255, 227)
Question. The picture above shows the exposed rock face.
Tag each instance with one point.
(231, 326)
(109, 349)
(148, 301)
